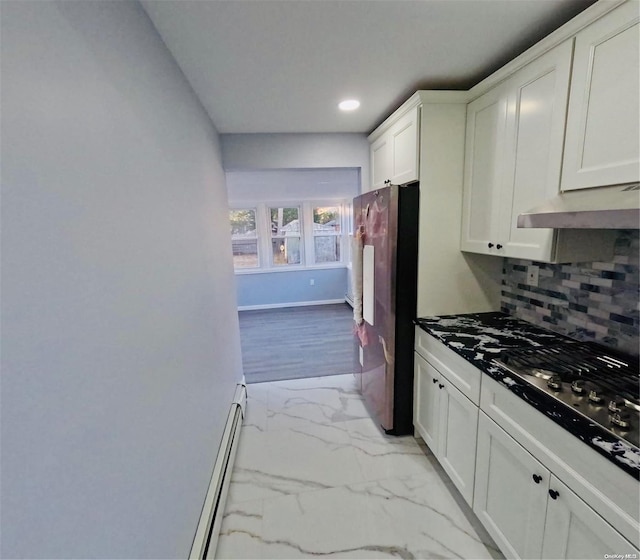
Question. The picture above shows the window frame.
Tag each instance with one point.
(307, 247)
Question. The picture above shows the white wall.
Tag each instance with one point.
(449, 281)
(284, 151)
(120, 348)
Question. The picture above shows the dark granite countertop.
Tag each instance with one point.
(480, 337)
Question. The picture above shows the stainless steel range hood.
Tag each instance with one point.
(616, 207)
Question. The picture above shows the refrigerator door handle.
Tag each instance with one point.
(368, 288)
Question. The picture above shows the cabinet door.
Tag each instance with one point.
(426, 402)
(508, 500)
(574, 530)
(404, 151)
(534, 135)
(602, 140)
(380, 152)
(484, 157)
(457, 431)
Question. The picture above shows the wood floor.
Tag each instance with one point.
(296, 342)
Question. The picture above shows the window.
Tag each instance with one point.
(268, 237)
(326, 234)
(244, 238)
(286, 236)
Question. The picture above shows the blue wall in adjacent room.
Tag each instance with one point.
(291, 287)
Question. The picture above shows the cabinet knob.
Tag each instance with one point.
(498, 246)
(441, 385)
(537, 478)
(554, 494)
(489, 245)
(434, 379)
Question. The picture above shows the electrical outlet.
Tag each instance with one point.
(532, 275)
(312, 282)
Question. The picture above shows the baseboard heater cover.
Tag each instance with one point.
(206, 537)
(349, 299)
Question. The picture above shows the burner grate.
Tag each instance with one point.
(616, 374)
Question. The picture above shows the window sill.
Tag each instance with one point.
(290, 269)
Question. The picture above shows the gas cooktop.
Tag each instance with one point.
(598, 383)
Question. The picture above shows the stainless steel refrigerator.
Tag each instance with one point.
(385, 251)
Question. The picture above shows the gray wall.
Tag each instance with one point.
(587, 301)
(120, 348)
(285, 151)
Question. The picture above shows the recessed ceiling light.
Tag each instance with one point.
(349, 105)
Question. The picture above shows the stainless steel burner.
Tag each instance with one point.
(599, 384)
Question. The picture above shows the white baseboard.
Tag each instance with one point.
(291, 304)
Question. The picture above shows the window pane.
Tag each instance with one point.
(284, 221)
(327, 248)
(326, 219)
(245, 253)
(243, 223)
(244, 238)
(286, 250)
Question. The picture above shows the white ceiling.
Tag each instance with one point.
(283, 65)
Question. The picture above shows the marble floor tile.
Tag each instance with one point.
(382, 456)
(315, 476)
(404, 517)
(256, 408)
(322, 400)
(241, 531)
(292, 460)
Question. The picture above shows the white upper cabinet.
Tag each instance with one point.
(484, 148)
(513, 158)
(602, 139)
(536, 109)
(380, 152)
(394, 153)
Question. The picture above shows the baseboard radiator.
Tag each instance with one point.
(349, 299)
(206, 538)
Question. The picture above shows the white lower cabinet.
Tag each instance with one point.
(457, 435)
(538, 490)
(509, 501)
(574, 530)
(528, 511)
(447, 422)
(426, 401)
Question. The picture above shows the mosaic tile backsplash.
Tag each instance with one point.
(587, 301)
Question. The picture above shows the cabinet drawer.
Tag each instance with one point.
(611, 492)
(462, 375)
